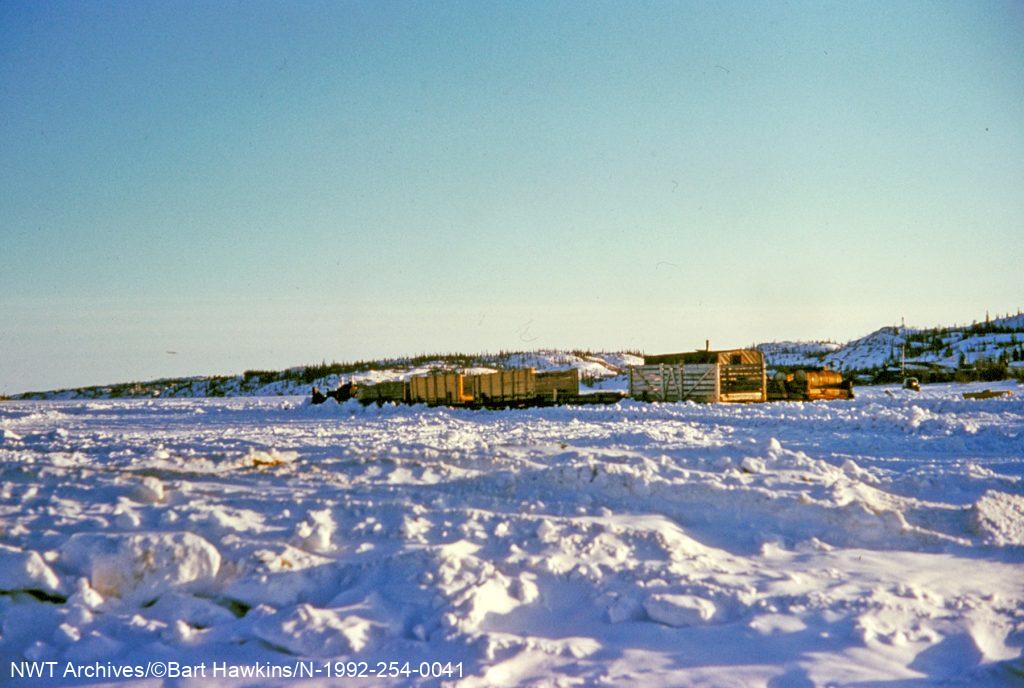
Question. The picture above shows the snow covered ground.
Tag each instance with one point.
(874, 542)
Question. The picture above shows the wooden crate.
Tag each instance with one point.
(558, 384)
(744, 382)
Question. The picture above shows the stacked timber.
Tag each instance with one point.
(742, 382)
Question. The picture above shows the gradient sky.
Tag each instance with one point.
(192, 188)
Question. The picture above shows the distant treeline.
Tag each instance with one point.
(311, 373)
(251, 380)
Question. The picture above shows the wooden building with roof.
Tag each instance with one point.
(728, 375)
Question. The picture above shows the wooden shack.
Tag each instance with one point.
(730, 375)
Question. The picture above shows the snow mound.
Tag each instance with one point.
(8, 436)
(752, 465)
(25, 570)
(475, 588)
(269, 458)
(998, 518)
(138, 566)
(149, 491)
(310, 632)
(196, 612)
(316, 532)
(679, 610)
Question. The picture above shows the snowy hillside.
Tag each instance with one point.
(876, 350)
(878, 541)
(945, 346)
(797, 354)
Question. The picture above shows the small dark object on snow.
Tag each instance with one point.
(343, 392)
(988, 394)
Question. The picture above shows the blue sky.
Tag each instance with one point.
(259, 185)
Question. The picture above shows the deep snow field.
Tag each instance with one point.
(878, 542)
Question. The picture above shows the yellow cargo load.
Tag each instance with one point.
(503, 385)
(438, 388)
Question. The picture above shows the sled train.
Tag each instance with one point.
(729, 376)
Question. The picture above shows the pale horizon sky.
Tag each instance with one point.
(201, 188)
